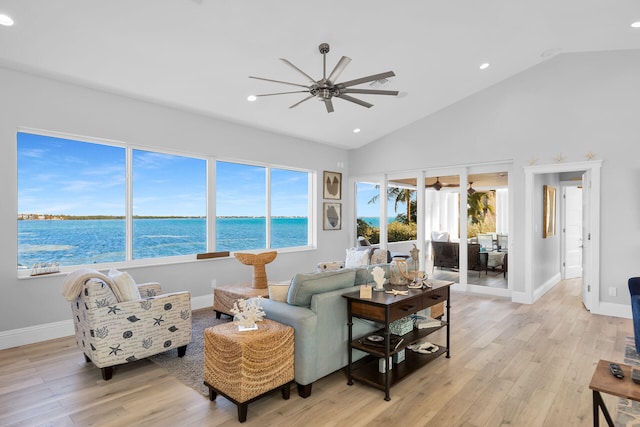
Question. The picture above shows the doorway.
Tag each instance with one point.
(571, 231)
(536, 286)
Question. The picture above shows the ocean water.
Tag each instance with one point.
(77, 242)
(374, 221)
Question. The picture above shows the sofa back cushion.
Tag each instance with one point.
(305, 285)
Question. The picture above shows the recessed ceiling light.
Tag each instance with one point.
(251, 98)
(356, 130)
(6, 20)
(636, 24)
(484, 66)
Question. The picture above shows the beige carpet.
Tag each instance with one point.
(190, 368)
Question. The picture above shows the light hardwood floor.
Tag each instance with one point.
(511, 364)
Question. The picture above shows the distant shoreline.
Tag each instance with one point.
(47, 217)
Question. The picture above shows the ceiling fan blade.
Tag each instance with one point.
(354, 100)
(371, 91)
(366, 79)
(300, 102)
(329, 105)
(298, 70)
(278, 81)
(282, 93)
(339, 68)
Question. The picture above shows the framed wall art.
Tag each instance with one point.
(332, 185)
(549, 208)
(331, 216)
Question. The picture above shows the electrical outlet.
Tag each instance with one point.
(612, 291)
(214, 282)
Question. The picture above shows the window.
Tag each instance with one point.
(72, 203)
(169, 205)
(289, 208)
(74, 206)
(368, 211)
(241, 206)
(244, 219)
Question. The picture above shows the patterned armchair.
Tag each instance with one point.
(112, 332)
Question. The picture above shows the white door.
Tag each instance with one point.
(586, 239)
(572, 232)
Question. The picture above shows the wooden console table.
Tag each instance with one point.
(386, 308)
(603, 381)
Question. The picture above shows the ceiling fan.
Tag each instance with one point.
(327, 88)
(440, 185)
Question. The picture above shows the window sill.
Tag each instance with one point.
(151, 262)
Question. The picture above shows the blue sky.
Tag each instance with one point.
(60, 176)
(366, 191)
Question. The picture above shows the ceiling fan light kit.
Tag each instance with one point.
(327, 88)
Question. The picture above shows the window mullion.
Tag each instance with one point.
(268, 206)
(212, 243)
(129, 204)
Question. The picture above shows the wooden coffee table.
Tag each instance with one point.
(603, 382)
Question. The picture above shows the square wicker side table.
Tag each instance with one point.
(225, 296)
(245, 366)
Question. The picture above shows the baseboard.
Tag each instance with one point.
(38, 333)
(546, 287)
(202, 301)
(614, 310)
(64, 328)
(520, 297)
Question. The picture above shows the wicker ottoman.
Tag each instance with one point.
(224, 297)
(244, 366)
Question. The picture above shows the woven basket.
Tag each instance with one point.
(437, 310)
(244, 365)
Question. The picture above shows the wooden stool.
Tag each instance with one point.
(245, 366)
(224, 297)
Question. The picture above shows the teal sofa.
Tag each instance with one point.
(317, 311)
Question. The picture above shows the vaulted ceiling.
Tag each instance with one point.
(197, 54)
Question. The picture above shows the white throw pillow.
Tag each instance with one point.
(126, 289)
(356, 258)
(278, 291)
(379, 256)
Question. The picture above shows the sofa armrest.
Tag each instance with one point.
(305, 325)
(332, 331)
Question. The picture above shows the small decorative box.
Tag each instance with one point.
(401, 326)
(399, 357)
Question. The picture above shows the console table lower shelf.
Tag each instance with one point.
(367, 370)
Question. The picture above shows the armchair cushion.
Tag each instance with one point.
(124, 286)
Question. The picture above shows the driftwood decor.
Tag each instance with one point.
(258, 261)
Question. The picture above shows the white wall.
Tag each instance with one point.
(570, 105)
(41, 103)
(546, 251)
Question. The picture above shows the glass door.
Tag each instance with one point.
(487, 217)
(442, 226)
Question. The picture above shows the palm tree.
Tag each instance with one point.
(401, 195)
(478, 205)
